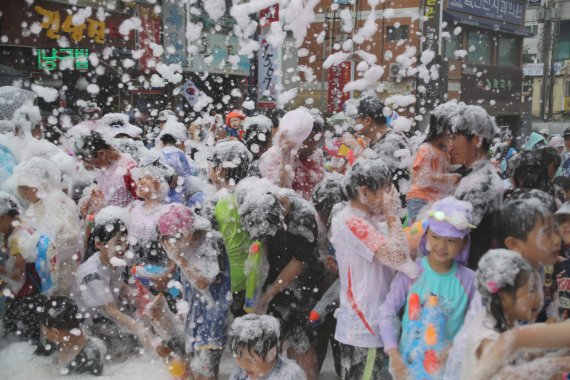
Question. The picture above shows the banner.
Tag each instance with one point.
(150, 33)
(339, 76)
(174, 25)
(267, 78)
(433, 89)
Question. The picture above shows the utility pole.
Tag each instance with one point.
(546, 41)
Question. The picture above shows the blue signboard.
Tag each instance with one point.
(511, 11)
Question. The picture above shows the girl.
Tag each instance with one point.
(511, 291)
(432, 177)
(436, 301)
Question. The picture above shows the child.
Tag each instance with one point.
(101, 288)
(233, 125)
(511, 292)
(366, 271)
(30, 271)
(445, 246)
(432, 177)
(561, 274)
(76, 353)
(199, 253)
(257, 137)
(225, 212)
(254, 344)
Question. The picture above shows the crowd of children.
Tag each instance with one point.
(441, 255)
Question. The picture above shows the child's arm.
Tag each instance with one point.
(291, 271)
(494, 354)
(395, 299)
(541, 368)
(128, 323)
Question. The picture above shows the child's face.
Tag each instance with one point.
(235, 122)
(116, 247)
(253, 365)
(55, 335)
(216, 174)
(147, 187)
(542, 245)
(443, 249)
(526, 302)
(564, 225)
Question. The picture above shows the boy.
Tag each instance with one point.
(254, 345)
(561, 275)
(225, 216)
(199, 253)
(285, 223)
(112, 168)
(60, 325)
(100, 286)
(364, 279)
(257, 138)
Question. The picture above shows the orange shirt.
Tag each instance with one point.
(430, 181)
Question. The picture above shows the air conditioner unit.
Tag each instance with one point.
(395, 69)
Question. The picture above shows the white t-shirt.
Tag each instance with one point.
(97, 285)
(363, 293)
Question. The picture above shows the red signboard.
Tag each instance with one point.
(150, 33)
(339, 76)
(269, 15)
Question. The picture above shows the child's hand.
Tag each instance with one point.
(455, 178)
(391, 205)
(398, 368)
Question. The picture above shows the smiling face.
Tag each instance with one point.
(443, 249)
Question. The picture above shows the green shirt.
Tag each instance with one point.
(236, 240)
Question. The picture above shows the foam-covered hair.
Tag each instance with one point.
(256, 334)
(328, 193)
(474, 121)
(441, 119)
(260, 214)
(500, 270)
(232, 156)
(37, 172)
(373, 174)
(8, 204)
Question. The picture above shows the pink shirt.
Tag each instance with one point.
(116, 183)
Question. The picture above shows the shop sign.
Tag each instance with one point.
(511, 11)
(70, 58)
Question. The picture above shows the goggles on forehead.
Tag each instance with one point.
(457, 220)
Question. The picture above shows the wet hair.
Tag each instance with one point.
(563, 182)
(517, 219)
(8, 205)
(523, 194)
(441, 119)
(531, 173)
(59, 312)
(260, 214)
(373, 174)
(501, 271)
(472, 121)
(371, 106)
(547, 155)
(233, 157)
(88, 146)
(167, 139)
(254, 129)
(327, 194)
(256, 334)
(106, 231)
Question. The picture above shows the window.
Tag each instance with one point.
(507, 54)
(396, 34)
(479, 48)
(533, 28)
(567, 90)
(452, 44)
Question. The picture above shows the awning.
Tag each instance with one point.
(495, 25)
